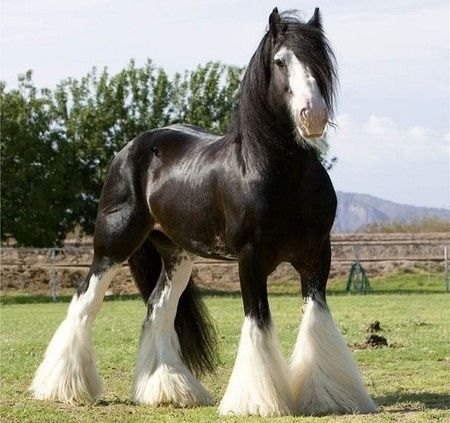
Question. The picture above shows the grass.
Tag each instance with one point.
(408, 380)
(414, 280)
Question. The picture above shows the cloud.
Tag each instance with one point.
(381, 157)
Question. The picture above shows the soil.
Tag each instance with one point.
(373, 341)
(29, 270)
(374, 327)
(376, 341)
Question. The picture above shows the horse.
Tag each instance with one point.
(258, 195)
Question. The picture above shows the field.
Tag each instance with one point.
(409, 379)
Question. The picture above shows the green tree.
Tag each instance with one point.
(205, 97)
(39, 186)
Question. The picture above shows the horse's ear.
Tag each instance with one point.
(316, 19)
(274, 22)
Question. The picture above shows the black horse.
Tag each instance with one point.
(259, 195)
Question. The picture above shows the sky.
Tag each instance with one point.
(392, 138)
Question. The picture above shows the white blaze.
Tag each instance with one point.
(305, 92)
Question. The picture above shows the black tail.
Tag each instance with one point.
(196, 333)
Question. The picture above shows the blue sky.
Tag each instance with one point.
(392, 139)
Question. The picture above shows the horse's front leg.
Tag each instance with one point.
(259, 383)
(324, 376)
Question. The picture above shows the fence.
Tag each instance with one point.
(379, 253)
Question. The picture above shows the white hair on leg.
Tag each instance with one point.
(259, 384)
(161, 376)
(324, 376)
(68, 372)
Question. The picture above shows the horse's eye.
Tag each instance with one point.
(279, 63)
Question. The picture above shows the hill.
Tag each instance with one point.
(356, 210)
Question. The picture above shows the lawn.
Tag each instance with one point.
(409, 379)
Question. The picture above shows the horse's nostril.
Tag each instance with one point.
(303, 114)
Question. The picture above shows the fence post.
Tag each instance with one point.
(447, 282)
(53, 280)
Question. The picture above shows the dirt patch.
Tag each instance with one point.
(37, 280)
(373, 341)
(376, 341)
(28, 270)
(374, 327)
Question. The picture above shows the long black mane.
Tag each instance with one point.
(257, 116)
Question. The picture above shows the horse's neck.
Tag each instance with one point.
(290, 162)
(269, 146)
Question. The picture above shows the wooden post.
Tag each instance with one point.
(53, 280)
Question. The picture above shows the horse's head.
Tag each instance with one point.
(302, 73)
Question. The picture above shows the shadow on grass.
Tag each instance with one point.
(8, 299)
(428, 400)
(114, 401)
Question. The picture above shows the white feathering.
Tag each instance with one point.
(161, 376)
(259, 384)
(68, 373)
(324, 376)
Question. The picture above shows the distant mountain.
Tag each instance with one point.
(356, 210)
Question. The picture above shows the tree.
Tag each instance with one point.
(205, 97)
(39, 186)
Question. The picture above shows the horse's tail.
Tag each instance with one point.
(196, 333)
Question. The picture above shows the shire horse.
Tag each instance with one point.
(258, 195)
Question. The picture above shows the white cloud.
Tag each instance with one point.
(380, 157)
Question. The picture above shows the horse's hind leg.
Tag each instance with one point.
(68, 373)
(161, 375)
(324, 376)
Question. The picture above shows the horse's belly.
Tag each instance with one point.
(193, 225)
(204, 246)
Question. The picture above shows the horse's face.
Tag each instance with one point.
(300, 91)
(297, 80)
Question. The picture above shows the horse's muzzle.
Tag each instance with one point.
(312, 122)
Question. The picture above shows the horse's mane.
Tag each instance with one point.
(254, 113)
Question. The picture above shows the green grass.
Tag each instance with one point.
(408, 380)
(413, 280)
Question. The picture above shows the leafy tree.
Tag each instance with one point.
(205, 97)
(39, 187)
